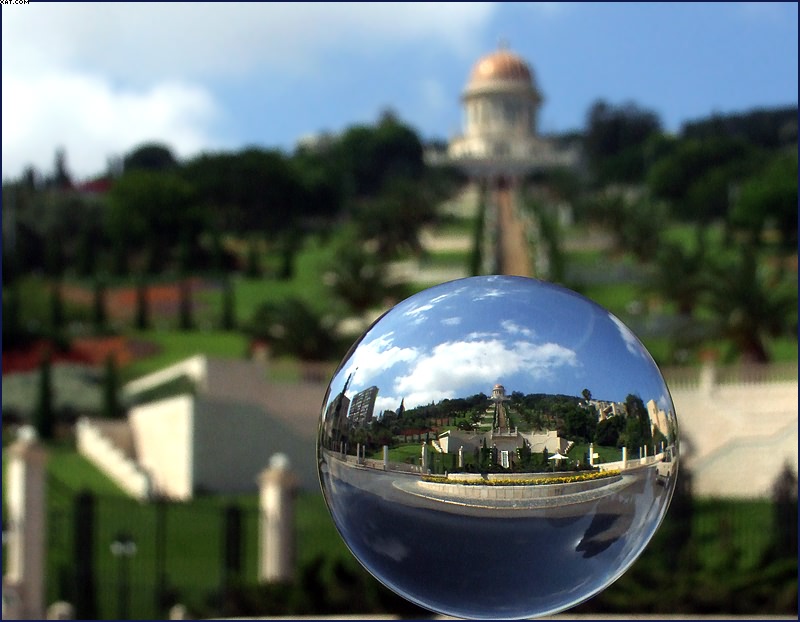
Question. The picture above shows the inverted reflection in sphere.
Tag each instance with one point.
(497, 447)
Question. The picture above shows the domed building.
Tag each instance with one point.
(500, 146)
(501, 108)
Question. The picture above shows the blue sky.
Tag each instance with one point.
(100, 78)
(463, 337)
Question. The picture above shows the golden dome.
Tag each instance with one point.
(501, 65)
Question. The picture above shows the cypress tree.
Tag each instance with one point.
(228, 321)
(110, 388)
(142, 308)
(56, 308)
(185, 311)
(45, 415)
(253, 266)
(99, 314)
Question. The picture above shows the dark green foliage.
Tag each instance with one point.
(111, 404)
(770, 129)
(253, 262)
(149, 157)
(359, 277)
(185, 318)
(228, 315)
(142, 307)
(57, 312)
(45, 408)
(615, 139)
(769, 197)
(292, 327)
(99, 313)
(750, 302)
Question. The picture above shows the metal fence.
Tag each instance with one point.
(116, 558)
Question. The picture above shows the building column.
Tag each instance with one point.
(25, 496)
(278, 485)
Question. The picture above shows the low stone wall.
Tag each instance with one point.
(538, 491)
(111, 460)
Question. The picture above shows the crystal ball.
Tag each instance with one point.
(497, 447)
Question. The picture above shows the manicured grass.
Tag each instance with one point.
(444, 259)
(78, 473)
(580, 451)
(175, 346)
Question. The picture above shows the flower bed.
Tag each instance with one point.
(530, 481)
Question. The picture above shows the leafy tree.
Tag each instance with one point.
(149, 157)
(696, 176)
(254, 190)
(61, 177)
(371, 156)
(395, 218)
(767, 128)
(615, 139)
(770, 198)
(638, 432)
(293, 328)
(153, 209)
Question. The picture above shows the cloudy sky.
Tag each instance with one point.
(461, 338)
(97, 79)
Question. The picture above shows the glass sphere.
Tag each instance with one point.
(497, 447)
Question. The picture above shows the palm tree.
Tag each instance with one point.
(750, 303)
(681, 274)
(360, 278)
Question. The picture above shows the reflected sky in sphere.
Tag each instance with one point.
(455, 441)
(463, 336)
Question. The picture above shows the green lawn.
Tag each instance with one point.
(175, 346)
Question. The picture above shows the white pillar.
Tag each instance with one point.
(25, 496)
(277, 534)
(591, 454)
(461, 457)
(708, 377)
(624, 457)
(424, 458)
(385, 457)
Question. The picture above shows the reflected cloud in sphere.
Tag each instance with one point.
(497, 447)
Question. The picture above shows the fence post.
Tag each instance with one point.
(276, 522)
(85, 594)
(24, 579)
(233, 545)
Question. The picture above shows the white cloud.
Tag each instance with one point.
(375, 357)
(512, 328)
(92, 120)
(631, 341)
(451, 321)
(456, 366)
(102, 77)
(150, 41)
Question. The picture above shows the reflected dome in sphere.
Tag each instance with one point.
(497, 447)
